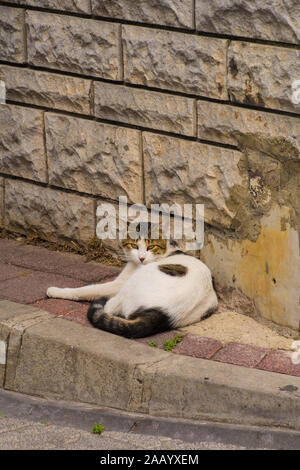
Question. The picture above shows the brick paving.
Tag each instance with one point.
(27, 271)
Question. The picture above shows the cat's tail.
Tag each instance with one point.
(143, 322)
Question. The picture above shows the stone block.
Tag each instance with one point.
(51, 90)
(76, 45)
(12, 44)
(272, 134)
(177, 62)
(75, 6)
(22, 150)
(90, 365)
(259, 19)
(180, 171)
(145, 108)
(94, 158)
(164, 12)
(1, 202)
(52, 214)
(15, 319)
(264, 76)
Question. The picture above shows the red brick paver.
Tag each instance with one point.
(30, 288)
(9, 271)
(197, 346)
(279, 361)
(79, 316)
(75, 311)
(64, 264)
(240, 354)
(57, 307)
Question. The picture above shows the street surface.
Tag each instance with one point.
(32, 423)
(18, 434)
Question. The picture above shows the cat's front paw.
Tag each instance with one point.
(53, 292)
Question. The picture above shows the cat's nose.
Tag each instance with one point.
(142, 259)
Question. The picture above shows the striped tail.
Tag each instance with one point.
(143, 322)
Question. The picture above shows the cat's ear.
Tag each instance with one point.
(173, 243)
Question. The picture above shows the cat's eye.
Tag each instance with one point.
(132, 245)
(150, 247)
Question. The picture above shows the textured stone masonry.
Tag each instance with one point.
(145, 108)
(175, 61)
(75, 6)
(179, 171)
(22, 151)
(12, 44)
(161, 101)
(272, 20)
(263, 76)
(52, 214)
(273, 134)
(164, 12)
(1, 201)
(74, 45)
(94, 158)
(46, 89)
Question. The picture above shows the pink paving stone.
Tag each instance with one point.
(58, 306)
(160, 338)
(279, 361)
(10, 249)
(240, 354)
(65, 264)
(79, 316)
(31, 288)
(197, 346)
(8, 271)
(74, 311)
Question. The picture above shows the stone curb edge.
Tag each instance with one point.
(51, 357)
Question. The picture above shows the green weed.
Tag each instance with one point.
(170, 344)
(97, 429)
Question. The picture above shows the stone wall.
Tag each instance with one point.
(161, 101)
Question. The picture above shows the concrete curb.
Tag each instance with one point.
(46, 356)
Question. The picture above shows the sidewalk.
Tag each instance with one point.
(217, 345)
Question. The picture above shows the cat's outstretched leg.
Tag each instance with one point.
(94, 291)
(91, 292)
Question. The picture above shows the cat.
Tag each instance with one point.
(160, 288)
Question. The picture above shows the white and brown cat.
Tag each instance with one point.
(159, 289)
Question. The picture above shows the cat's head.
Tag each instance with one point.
(144, 249)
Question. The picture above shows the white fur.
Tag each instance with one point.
(186, 299)
(142, 285)
(295, 355)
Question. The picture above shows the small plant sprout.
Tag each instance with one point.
(98, 429)
(170, 344)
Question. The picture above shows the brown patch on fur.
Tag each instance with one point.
(173, 269)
